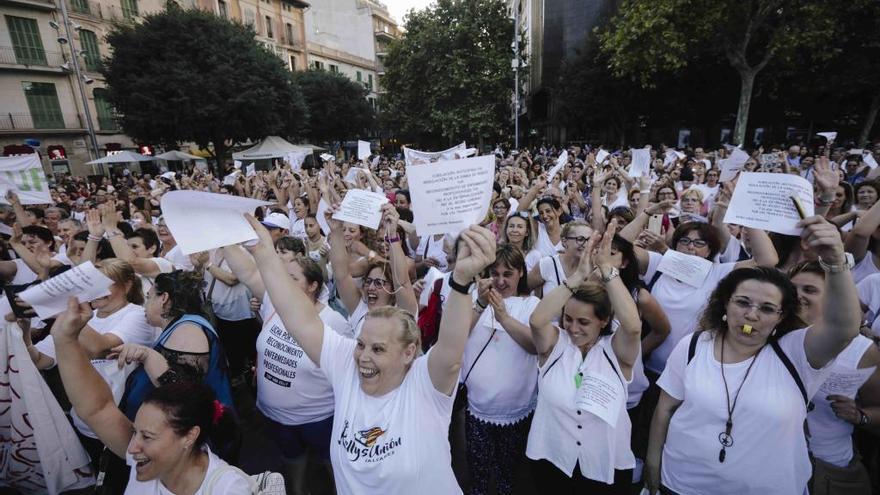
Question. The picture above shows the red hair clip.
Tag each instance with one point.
(218, 412)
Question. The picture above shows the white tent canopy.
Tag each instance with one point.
(175, 156)
(270, 147)
(122, 157)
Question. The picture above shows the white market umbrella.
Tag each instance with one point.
(122, 157)
(177, 156)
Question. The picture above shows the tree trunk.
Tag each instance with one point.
(747, 85)
(220, 151)
(870, 119)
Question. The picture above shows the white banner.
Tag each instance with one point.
(416, 157)
(452, 195)
(41, 453)
(24, 175)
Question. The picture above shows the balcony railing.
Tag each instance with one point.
(31, 57)
(44, 120)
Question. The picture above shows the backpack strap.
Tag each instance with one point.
(556, 269)
(692, 346)
(791, 371)
(653, 280)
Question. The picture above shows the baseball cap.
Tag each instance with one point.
(277, 221)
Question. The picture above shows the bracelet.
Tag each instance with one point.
(479, 309)
(644, 191)
(390, 240)
(457, 287)
(565, 284)
(481, 305)
(95, 238)
(112, 233)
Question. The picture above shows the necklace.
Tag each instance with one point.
(725, 438)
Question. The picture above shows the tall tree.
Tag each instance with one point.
(450, 75)
(648, 37)
(188, 75)
(338, 105)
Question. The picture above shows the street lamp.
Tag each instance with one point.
(81, 78)
(516, 75)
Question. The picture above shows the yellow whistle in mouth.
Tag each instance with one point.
(747, 329)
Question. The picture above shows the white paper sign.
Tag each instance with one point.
(763, 201)
(671, 157)
(416, 157)
(733, 164)
(352, 175)
(560, 162)
(691, 270)
(601, 395)
(251, 170)
(361, 207)
(640, 163)
(236, 164)
(452, 195)
(363, 150)
(24, 175)
(200, 221)
(601, 156)
(229, 180)
(296, 159)
(84, 281)
(829, 135)
(868, 159)
(321, 218)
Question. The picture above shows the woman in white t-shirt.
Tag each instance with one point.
(498, 370)
(519, 232)
(392, 406)
(553, 270)
(734, 396)
(292, 392)
(863, 242)
(384, 284)
(167, 443)
(855, 376)
(578, 444)
(117, 319)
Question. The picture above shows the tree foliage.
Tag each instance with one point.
(337, 104)
(649, 37)
(188, 75)
(450, 75)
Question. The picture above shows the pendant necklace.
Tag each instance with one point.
(725, 438)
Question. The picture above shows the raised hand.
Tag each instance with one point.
(823, 238)
(264, 239)
(70, 323)
(93, 222)
(476, 252)
(826, 178)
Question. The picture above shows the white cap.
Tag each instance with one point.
(277, 220)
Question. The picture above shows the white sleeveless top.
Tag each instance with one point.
(565, 435)
(830, 436)
(864, 268)
(544, 244)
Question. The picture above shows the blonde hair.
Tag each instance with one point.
(410, 333)
(693, 192)
(121, 272)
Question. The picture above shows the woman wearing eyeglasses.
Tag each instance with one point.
(385, 283)
(735, 394)
(553, 270)
(519, 232)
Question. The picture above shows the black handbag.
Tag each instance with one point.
(461, 395)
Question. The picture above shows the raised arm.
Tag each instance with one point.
(859, 237)
(476, 252)
(294, 307)
(842, 314)
(406, 298)
(763, 252)
(339, 259)
(88, 392)
(544, 332)
(245, 269)
(525, 202)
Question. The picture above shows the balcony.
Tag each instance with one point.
(34, 4)
(47, 121)
(35, 60)
(385, 35)
(292, 41)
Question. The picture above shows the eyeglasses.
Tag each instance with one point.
(697, 243)
(745, 304)
(580, 240)
(374, 282)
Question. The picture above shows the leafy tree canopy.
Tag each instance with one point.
(450, 75)
(188, 75)
(337, 104)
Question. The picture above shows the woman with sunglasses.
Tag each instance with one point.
(736, 393)
(519, 232)
(385, 283)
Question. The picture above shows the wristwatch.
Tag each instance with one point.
(614, 273)
(864, 419)
(848, 264)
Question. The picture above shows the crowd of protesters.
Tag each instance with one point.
(385, 361)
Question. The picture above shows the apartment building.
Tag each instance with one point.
(41, 99)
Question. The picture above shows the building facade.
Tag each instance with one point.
(41, 99)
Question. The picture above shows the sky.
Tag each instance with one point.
(399, 7)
